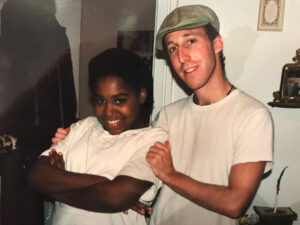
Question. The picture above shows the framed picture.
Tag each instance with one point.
(271, 14)
(140, 42)
(290, 84)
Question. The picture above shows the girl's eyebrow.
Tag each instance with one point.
(121, 95)
(114, 96)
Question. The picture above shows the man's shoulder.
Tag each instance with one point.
(181, 103)
(246, 103)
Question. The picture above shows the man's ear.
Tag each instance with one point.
(218, 44)
(143, 95)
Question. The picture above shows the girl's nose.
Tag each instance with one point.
(108, 109)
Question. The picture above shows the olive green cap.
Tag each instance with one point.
(186, 17)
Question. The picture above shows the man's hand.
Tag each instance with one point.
(160, 159)
(141, 209)
(56, 159)
(60, 135)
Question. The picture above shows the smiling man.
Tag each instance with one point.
(220, 137)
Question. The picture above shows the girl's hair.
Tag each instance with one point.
(128, 66)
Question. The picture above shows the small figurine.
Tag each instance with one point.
(7, 143)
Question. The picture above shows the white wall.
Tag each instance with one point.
(101, 21)
(68, 14)
(254, 60)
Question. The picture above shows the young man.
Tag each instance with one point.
(220, 138)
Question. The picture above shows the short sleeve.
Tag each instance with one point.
(76, 131)
(255, 139)
(138, 167)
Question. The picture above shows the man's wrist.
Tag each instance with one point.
(170, 177)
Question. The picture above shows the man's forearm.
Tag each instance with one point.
(205, 195)
(48, 179)
(228, 200)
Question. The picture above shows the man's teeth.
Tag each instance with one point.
(190, 69)
(113, 121)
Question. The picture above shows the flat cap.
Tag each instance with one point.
(186, 17)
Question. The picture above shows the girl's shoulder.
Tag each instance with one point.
(84, 124)
(156, 133)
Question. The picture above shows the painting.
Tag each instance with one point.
(271, 13)
(140, 42)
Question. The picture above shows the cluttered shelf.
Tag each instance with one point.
(19, 205)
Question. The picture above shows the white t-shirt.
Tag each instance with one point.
(90, 149)
(206, 142)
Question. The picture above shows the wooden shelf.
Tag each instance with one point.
(285, 104)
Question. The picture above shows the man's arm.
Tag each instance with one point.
(229, 200)
(48, 179)
(111, 196)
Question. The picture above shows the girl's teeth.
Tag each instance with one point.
(113, 121)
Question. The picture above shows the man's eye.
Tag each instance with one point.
(192, 41)
(171, 49)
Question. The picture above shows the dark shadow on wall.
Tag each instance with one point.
(37, 92)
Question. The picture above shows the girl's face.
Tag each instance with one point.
(117, 105)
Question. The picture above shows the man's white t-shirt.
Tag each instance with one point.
(89, 148)
(206, 142)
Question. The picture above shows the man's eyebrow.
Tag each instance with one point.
(189, 33)
(168, 43)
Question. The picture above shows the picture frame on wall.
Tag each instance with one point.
(271, 14)
(290, 85)
(138, 41)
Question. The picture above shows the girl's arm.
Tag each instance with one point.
(90, 192)
(48, 179)
(110, 196)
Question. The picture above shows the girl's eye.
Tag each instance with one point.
(120, 101)
(100, 101)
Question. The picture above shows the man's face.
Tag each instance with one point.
(192, 55)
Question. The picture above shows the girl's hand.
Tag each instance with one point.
(60, 135)
(56, 159)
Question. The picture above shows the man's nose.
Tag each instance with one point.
(183, 54)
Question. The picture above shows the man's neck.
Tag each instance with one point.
(217, 88)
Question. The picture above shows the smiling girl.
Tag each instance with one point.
(100, 168)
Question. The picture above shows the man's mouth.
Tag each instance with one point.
(191, 69)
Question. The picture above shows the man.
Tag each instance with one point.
(220, 138)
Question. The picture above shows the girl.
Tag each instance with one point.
(104, 171)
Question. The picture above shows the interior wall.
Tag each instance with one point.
(254, 60)
(101, 21)
(68, 14)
